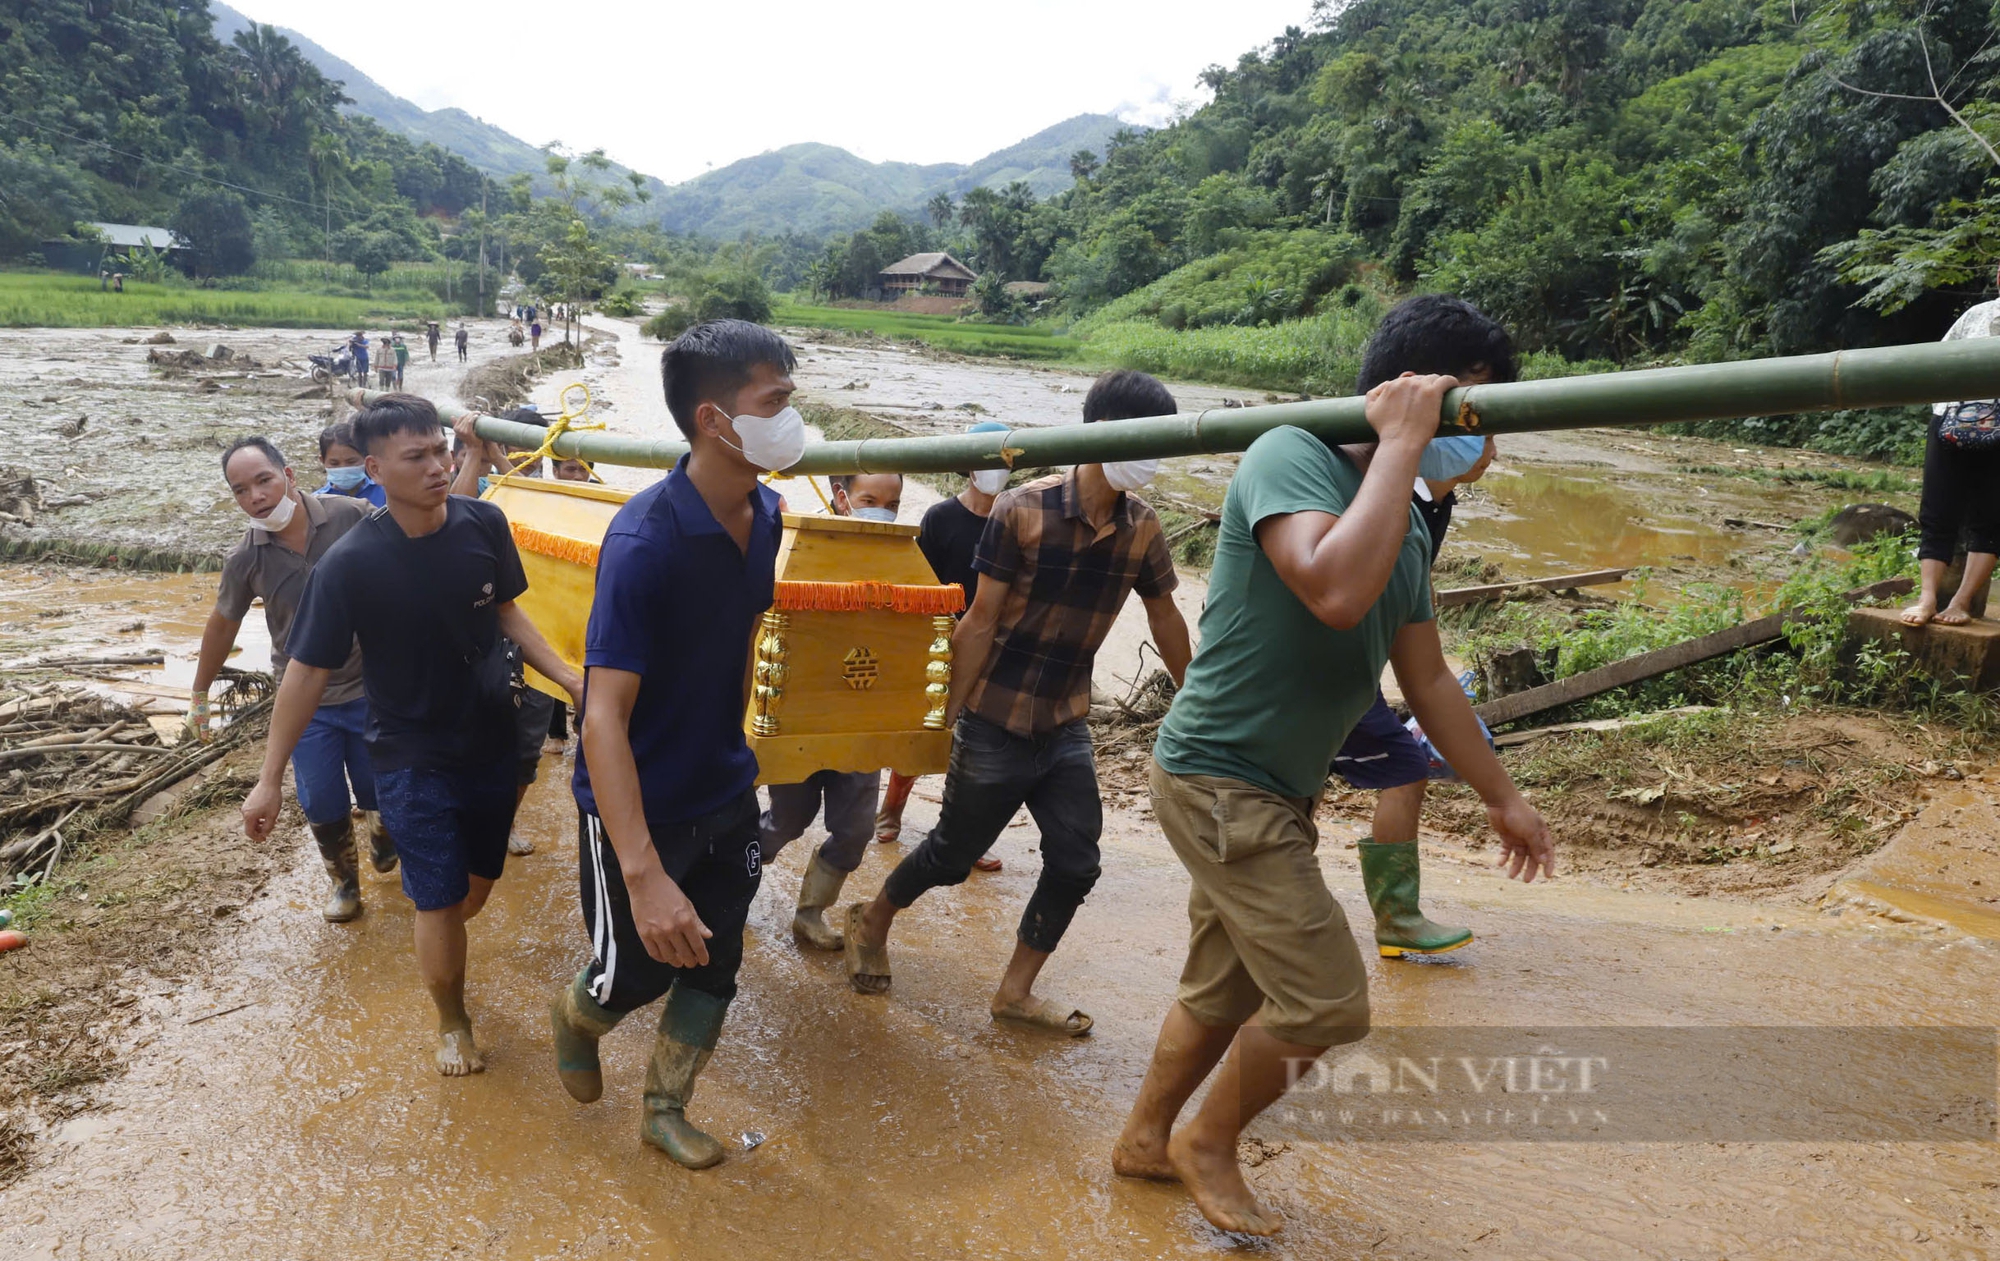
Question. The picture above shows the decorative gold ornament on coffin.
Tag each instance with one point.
(850, 670)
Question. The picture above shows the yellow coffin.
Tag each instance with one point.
(849, 670)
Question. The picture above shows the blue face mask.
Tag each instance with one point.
(872, 513)
(349, 478)
(1449, 457)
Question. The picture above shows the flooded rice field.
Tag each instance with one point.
(278, 1100)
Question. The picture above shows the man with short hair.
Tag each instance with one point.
(428, 587)
(1056, 562)
(849, 796)
(665, 791)
(431, 335)
(357, 345)
(346, 470)
(463, 340)
(949, 538)
(402, 350)
(289, 533)
(1441, 334)
(1321, 575)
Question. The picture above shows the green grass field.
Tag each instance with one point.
(46, 299)
(1006, 341)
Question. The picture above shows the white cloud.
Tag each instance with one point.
(671, 87)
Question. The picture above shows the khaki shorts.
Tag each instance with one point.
(1266, 936)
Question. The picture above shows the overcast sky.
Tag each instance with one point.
(672, 88)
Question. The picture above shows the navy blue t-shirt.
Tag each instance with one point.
(413, 603)
(676, 603)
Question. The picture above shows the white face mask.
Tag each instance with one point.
(872, 513)
(279, 518)
(990, 481)
(772, 443)
(1130, 474)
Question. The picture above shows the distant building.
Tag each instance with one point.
(118, 240)
(939, 273)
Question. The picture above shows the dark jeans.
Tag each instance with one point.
(993, 774)
(716, 862)
(1961, 491)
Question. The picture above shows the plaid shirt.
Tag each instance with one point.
(1066, 582)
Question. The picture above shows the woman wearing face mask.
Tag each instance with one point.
(948, 535)
(345, 475)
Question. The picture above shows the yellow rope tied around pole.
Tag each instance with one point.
(567, 422)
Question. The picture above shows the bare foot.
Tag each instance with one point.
(457, 1056)
(1216, 1183)
(1142, 1154)
(1952, 615)
(1920, 612)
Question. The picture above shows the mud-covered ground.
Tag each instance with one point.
(195, 1062)
(126, 451)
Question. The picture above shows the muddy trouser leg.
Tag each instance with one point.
(792, 809)
(1070, 814)
(850, 817)
(718, 864)
(991, 774)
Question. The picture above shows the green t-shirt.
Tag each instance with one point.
(1273, 691)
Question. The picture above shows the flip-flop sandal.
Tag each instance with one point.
(987, 863)
(1052, 1017)
(867, 966)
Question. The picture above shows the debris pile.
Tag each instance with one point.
(74, 761)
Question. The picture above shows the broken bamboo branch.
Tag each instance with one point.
(1647, 665)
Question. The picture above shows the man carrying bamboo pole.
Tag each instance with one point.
(665, 783)
(1057, 561)
(1321, 575)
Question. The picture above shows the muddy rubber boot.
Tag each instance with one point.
(1389, 872)
(343, 867)
(381, 846)
(578, 1022)
(817, 892)
(688, 1029)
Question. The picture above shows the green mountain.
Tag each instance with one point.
(493, 151)
(816, 188)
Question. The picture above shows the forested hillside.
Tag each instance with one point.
(135, 112)
(1623, 179)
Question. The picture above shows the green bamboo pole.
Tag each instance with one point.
(1887, 376)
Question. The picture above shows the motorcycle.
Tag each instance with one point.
(338, 364)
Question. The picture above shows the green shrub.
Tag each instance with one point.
(1269, 277)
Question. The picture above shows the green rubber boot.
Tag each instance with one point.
(688, 1029)
(1389, 872)
(578, 1022)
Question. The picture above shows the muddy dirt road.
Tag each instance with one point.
(310, 1119)
(143, 466)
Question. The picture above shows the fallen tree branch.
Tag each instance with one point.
(1648, 665)
(1503, 590)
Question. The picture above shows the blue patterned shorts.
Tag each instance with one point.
(449, 824)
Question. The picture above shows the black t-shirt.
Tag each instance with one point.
(949, 535)
(1437, 518)
(417, 604)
